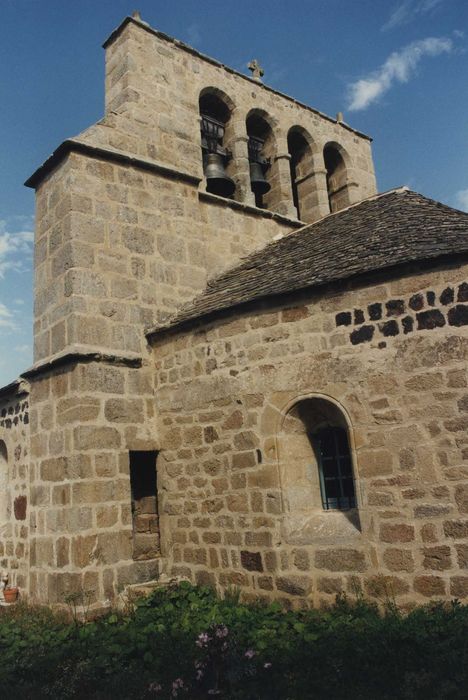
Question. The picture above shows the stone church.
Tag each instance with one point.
(250, 369)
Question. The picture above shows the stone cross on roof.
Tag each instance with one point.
(257, 70)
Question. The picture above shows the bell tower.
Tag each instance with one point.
(192, 166)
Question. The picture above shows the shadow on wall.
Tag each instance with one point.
(5, 510)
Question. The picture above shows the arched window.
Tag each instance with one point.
(316, 459)
(4, 515)
(261, 153)
(334, 462)
(215, 115)
(337, 177)
(302, 169)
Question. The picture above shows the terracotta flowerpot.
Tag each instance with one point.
(10, 594)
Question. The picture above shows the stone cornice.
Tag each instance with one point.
(16, 388)
(250, 209)
(76, 355)
(107, 154)
(189, 49)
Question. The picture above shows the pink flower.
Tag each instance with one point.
(178, 683)
(249, 653)
(267, 665)
(203, 639)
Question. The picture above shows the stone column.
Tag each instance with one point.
(354, 190)
(313, 195)
(239, 169)
(280, 197)
(236, 141)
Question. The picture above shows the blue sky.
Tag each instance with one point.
(398, 69)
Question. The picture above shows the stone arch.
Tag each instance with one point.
(216, 109)
(337, 165)
(303, 150)
(4, 485)
(298, 459)
(218, 94)
(261, 127)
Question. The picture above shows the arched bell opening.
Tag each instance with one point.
(302, 174)
(214, 117)
(335, 159)
(262, 150)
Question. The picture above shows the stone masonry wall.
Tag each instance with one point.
(125, 234)
(225, 391)
(14, 486)
(118, 248)
(86, 416)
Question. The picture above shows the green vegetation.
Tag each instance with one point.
(186, 642)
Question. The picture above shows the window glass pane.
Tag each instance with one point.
(327, 443)
(332, 488)
(335, 465)
(348, 488)
(345, 467)
(342, 441)
(330, 467)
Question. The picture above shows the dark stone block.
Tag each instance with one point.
(205, 578)
(293, 585)
(19, 506)
(362, 335)
(416, 302)
(447, 296)
(389, 328)
(427, 320)
(252, 561)
(395, 307)
(458, 316)
(463, 292)
(343, 318)
(408, 324)
(375, 311)
(430, 296)
(358, 316)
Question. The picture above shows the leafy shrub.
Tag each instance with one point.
(186, 642)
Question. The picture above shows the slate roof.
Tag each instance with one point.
(394, 228)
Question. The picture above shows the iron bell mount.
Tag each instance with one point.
(258, 166)
(215, 157)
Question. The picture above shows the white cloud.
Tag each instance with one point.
(409, 10)
(461, 199)
(15, 248)
(6, 318)
(398, 68)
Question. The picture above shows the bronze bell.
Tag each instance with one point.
(257, 179)
(217, 182)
